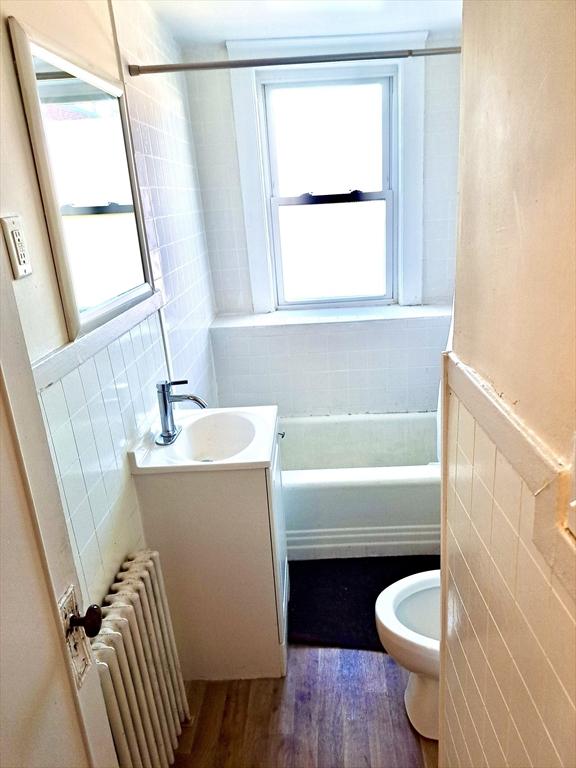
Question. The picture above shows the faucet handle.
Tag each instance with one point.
(166, 386)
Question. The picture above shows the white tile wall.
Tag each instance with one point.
(91, 415)
(510, 684)
(441, 119)
(381, 366)
(212, 118)
(167, 174)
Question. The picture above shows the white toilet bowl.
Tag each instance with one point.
(408, 622)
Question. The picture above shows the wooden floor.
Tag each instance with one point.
(335, 709)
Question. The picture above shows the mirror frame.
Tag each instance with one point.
(26, 43)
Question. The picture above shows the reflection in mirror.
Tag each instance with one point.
(87, 154)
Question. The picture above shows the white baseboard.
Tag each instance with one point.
(323, 543)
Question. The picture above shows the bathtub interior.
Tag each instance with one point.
(365, 440)
(361, 486)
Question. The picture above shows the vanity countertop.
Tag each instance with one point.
(211, 439)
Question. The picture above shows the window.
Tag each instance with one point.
(331, 162)
(329, 190)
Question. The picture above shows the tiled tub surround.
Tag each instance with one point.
(166, 163)
(212, 119)
(91, 415)
(327, 368)
(510, 656)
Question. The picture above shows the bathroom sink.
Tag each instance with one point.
(214, 438)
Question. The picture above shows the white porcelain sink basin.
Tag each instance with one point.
(216, 438)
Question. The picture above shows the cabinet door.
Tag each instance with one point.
(278, 535)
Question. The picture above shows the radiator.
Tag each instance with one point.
(138, 665)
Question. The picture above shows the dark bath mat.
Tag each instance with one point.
(332, 601)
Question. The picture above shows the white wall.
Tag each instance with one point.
(40, 726)
(212, 120)
(440, 173)
(168, 178)
(83, 31)
(515, 310)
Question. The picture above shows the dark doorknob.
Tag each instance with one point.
(91, 622)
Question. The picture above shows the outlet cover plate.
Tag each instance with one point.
(76, 640)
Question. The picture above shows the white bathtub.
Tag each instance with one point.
(361, 485)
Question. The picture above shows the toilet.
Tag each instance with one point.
(408, 623)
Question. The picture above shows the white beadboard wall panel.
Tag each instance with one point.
(91, 416)
(167, 170)
(382, 366)
(510, 659)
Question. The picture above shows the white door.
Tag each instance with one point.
(45, 719)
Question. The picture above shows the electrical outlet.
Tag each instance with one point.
(19, 256)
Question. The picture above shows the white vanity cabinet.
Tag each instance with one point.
(220, 531)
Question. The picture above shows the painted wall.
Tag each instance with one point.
(84, 32)
(509, 683)
(516, 276)
(40, 724)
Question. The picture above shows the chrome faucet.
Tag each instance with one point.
(165, 399)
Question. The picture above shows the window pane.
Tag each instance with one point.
(327, 138)
(333, 251)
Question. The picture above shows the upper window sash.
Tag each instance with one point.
(321, 77)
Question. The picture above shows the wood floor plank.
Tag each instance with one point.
(330, 712)
(305, 744)
(195, 690)
(334, 709)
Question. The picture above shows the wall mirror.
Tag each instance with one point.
(80, 138)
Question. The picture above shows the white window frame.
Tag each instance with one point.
(288, 78)
(407, 163)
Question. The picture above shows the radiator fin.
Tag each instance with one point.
(138, 665)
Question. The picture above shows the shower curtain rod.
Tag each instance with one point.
(153, 69)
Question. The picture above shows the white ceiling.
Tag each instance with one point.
(211, 21)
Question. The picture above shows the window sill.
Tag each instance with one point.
(335, 315)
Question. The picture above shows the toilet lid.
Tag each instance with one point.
(420, 612)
